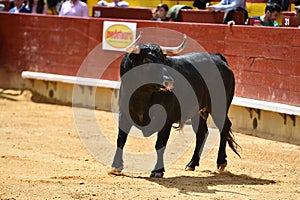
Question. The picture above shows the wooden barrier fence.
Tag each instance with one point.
(265, 60)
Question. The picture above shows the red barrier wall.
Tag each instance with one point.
(265, 60)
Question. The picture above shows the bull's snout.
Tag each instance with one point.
(169, 85)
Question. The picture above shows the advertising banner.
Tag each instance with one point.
(118, 36)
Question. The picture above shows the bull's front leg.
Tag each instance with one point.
(160, 146)
(201, 131)
(124, 128)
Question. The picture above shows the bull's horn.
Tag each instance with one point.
(174, 50)
(134, 48)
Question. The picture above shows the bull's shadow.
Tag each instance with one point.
(194, 184)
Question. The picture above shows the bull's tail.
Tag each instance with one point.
(232, 143)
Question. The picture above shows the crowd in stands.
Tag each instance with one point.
(77, 8)
(162, 12)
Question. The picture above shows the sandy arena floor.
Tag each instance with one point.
(42, 157)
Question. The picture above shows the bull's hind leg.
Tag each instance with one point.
(225, 133)
(201, 131)
(124, 128)
(160, 147)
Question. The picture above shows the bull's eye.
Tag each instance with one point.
(165, 83)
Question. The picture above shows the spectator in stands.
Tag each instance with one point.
(229, 7)
(115, 3)
(272, 12)
(75, 8)
(20, 7)
(160, 13)
(297, 15)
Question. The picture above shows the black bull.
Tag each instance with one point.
(156, 78)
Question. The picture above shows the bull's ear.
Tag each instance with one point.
(134, 48)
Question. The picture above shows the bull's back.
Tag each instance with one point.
(197, 65)
(203, 61)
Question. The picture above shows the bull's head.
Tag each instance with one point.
(140, 54)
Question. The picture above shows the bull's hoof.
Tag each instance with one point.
(115, 171)
(156, 174)
(191, 166)
(188, 168)
(221, 167)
